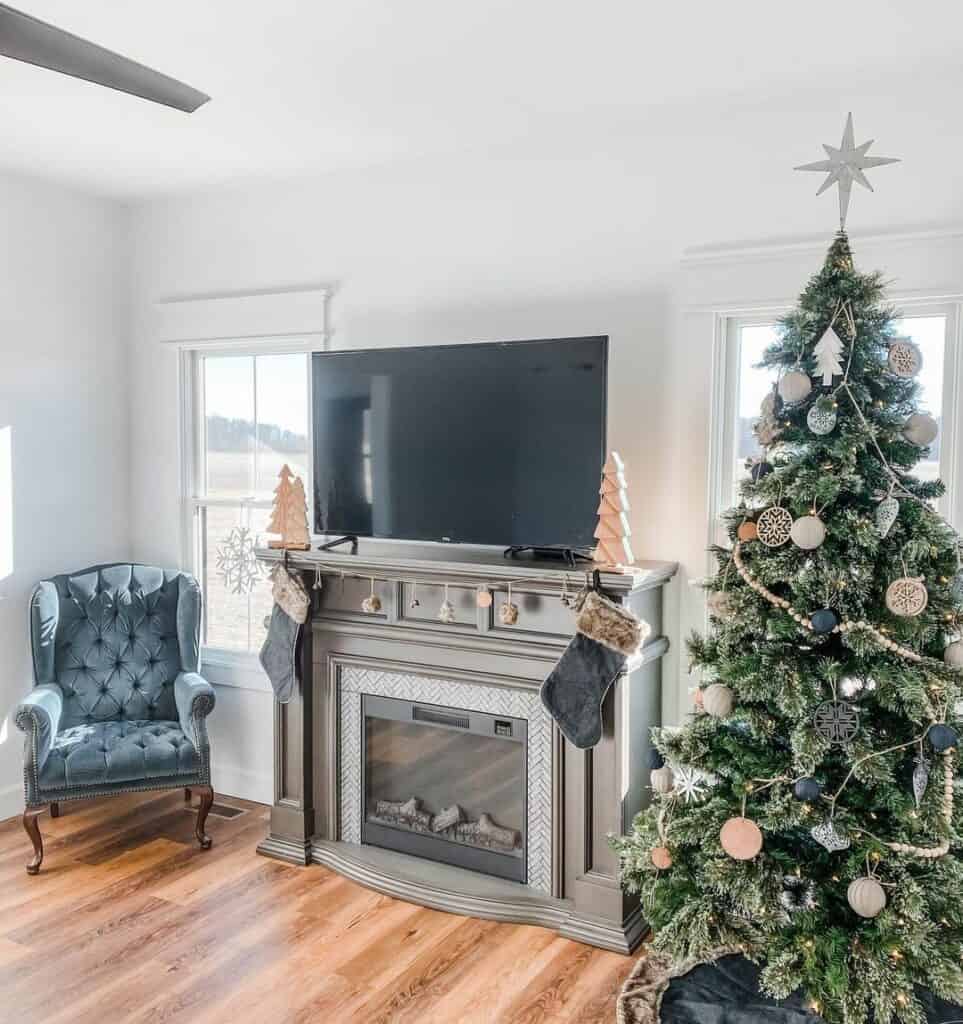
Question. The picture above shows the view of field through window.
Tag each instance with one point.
(255, 420)
(754, 383)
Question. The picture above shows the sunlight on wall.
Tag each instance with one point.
(6, 502)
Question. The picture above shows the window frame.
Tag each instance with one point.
(725, 402)
(192, 457)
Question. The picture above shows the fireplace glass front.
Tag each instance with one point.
(446, 784)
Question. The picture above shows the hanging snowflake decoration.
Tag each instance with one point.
(693, 784)
(237, 564)
(836, 721)
(798, 894)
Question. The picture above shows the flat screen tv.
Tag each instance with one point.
(496, 443)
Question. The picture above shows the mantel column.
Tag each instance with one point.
(292, 815)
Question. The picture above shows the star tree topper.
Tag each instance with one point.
(846, 165)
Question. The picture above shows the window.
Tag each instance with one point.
(250, 418)
(744, 385)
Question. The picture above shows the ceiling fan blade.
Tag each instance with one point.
(25, 38)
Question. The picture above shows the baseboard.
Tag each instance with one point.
(11, 801)
(233, 780)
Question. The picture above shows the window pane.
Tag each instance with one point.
(229, 419)
(929, 333)
(282, 419)
(237, 592)
(754, 385)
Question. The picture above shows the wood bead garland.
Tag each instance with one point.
(718, 700)
(943, 848)
(808, 532)
(866, 896)
(741, 838)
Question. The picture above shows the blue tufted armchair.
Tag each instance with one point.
(117, 704)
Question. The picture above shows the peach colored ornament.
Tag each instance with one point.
(747, 531)
(697, 699)
(484, 598)
(661, 858)
(741, 838)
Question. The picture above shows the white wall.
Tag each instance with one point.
(482, 249)
(64, 439)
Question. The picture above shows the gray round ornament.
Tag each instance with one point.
(886, 512)
(921, 429)
(905, 358)
(808, 532)
(821, 418)
(794, 387)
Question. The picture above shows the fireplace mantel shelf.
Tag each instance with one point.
(476, 663)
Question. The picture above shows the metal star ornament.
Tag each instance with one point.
(846, 165)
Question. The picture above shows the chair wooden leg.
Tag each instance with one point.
(187, 794)
(32, 828)
(55, 810)
(207, 799)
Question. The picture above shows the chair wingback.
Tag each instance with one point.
(114, 638)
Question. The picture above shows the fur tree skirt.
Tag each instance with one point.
(723, 991)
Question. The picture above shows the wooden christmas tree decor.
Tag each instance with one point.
(613, 531)
(290, 516)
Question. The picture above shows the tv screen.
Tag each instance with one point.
(495, 443)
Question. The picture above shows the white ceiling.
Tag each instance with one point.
(316, 85)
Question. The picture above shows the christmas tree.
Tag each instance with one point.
(613, 530)
(289, 517)
(805, 814)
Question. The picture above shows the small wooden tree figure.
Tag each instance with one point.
(290, 515)
(613, 531)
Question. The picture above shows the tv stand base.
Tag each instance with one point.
(570, 556)
(339, 541)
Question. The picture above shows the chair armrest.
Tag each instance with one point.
(194, 697)
(38, 715)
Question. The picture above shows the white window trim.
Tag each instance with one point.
(725, 380)
(283, 322)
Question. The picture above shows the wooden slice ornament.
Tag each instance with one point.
(661, 857)
(907, 596)
(747, 531)
(774, 526)
(905, 358)
(741, 838)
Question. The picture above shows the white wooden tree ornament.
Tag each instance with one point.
(827, 351)
(613, 530)
(289, 518)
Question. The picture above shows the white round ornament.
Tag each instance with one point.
(953, 654)
(662, 779)
(794, 387)
(905, 358)
(886, 512)
(741, 838)
(906, 596)
(921, 429)
(866, 896)
(719, 603)
(774, 526)
(808, 532)
(446, 613)
(821, 418)
(717, 700)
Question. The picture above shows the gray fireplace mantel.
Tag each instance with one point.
(590, 794)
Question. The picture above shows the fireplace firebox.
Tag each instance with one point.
(447, 784)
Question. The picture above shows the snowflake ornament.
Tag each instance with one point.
(693, 784)
(237, 564)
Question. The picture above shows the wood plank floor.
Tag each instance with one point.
(129, 921)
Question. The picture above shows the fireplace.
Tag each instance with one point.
(448, 784)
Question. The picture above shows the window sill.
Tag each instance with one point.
(233, 668)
